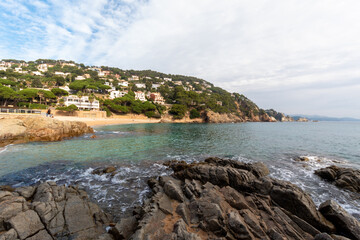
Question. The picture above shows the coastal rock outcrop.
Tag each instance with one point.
(49, 211)
(345, 178)
(226, 199)
(21, 129)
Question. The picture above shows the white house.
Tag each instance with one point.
(140, 85)
(167, 79)
(117, 94)
(140, 96)
(124, 84)
(61, 74)
(66, 88)
(155, 85)
(80, 78)
(3, 68)
(43, 67)
(134, 78)
(82, 103)
(37, 73)
(179, 83)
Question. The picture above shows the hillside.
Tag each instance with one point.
(45, 82)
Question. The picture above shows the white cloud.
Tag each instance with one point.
(282, 54)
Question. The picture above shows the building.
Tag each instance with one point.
(167, 79)
(179, 83)
(140, 96)
(133, 78)
(124, 83)
(219, 103)
(66, 88)
(117, 94)
(37, 73)
(82, 103)
(156, 86)
(80, 78)
(157, 98)
(140, 85)
(61, 74)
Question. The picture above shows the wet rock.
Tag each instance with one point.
(225, 199)
(101, 171)
(299, 203)
(302, 159)
(345, 224)
(345, 178)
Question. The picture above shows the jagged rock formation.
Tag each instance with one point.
(279, 116)
(21, 129)
(346, 178)
(50, 212)
(225, 199)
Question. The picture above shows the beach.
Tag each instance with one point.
(127, 119)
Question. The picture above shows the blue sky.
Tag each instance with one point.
(296, 56)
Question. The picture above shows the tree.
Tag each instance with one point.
(178, 111)
(36, 83)
(59, 92)
(6, 93)
(91, 100)
(194, 113)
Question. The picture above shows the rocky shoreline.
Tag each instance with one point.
(21, 129)
(214, 199)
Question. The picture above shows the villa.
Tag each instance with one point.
(117, 94)
(82, 103)
(140, 96)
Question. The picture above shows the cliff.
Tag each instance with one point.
(21, 129)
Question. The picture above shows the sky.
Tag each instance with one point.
(295, 56)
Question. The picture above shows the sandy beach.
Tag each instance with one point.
(128, 119)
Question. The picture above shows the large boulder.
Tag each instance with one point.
(20, 129)
(345, 223)
(345, 178)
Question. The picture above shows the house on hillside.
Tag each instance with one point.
(124, 83)
(82, 103)
(140, 85)
(167, 79)
(80, 78)
(117, 94)
(133, 78)
(179, 83)
(156, 98)
(140, 96)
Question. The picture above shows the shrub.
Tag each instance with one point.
(70, 108)
(178, 111)
(194, 114)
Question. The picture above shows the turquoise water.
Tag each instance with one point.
(139, 149)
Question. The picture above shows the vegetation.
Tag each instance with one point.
(70, 108)
(183, 95)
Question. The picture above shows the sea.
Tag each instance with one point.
(138, 151)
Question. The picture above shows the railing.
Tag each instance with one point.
(19, 110)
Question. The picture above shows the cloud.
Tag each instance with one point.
(282, 54)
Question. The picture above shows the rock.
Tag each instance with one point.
(26, 192)
(346, 178)
(172, 188)
(51, 212)
(125, 228)
(43, 235)
(9, 235)
(345, 224)
(180, 232)
(302, 159)
(26, 223)
(299, 203)
(323, 236)
(225, 199)
(6, 188)
(101, 171)
(93, 136)
(21, 129)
